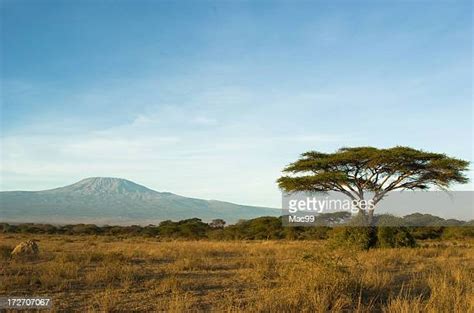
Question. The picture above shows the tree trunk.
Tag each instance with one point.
(370, 217)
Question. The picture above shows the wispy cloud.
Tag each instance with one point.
(215, 106)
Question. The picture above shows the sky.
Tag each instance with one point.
(211, 99)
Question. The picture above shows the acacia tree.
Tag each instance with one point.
(357, 171)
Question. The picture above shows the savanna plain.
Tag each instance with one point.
(111, 274)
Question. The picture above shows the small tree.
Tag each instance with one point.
(356, 171)
(217, 223)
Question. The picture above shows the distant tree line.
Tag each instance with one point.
(262, 228)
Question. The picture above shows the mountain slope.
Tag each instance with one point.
(102, 200)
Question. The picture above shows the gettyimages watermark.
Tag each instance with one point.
(404, 208)
(324, 205)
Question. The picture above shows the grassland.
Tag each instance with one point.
(107, 274)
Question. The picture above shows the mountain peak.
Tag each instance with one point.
(94, 185)
(115, 200)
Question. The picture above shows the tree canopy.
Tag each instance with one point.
(355, 171)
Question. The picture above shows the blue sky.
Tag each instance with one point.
(212, 99)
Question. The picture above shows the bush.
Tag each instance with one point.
(314, 233)
(394, 237)
(7, 228)
(261, 228)
(426, 232)
(85, 229)
(358, 237)
(461, 232)
(192, 228)
(364, 238)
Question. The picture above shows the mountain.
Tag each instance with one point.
(106, 200)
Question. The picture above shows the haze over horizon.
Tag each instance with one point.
(109, 200)
(212, 99)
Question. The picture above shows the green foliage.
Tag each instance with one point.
(458, 232)
(354, 171)
(368, 168)
(35, 228)
(192, 228)
(7, 228)
(394, 237)
(266, 227)
(151, 231)
(217, 223)
(84, 229)
(424, 232)
(359, 234)
(354, 233)
(360, 238)
(307, 233)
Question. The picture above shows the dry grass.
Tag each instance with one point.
(98, 274)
